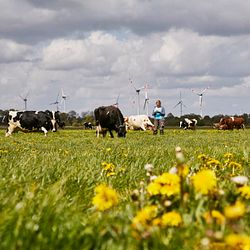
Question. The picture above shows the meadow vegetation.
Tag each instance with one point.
(71, 190)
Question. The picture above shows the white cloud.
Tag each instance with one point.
(12, 51)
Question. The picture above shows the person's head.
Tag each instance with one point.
(158, 103)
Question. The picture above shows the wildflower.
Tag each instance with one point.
(228, 155)
(183, 170)
(148, 167)
(238, 241)
(235, 211)
(202, 157)
(235, 166)
(216, 215)
(108, 149)
(172, 219)
(165, 184)
(240, 180)
(105, 197)
(109, 168)
(245, 191)
(204, 181)
(144, 217)
(213, 163)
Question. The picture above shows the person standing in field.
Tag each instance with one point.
(158, 114)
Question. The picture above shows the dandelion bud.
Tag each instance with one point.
(179, 155)
(167, 203)
(141, 183)
(153, 177)
(173, 170)
(240, 180)
(148, 167)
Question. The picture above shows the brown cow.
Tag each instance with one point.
(231, 122)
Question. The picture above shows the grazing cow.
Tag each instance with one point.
(87, 125)
(27, 121)
(55, 119)
(109, 118)
(188, 123)
(138, 122)
(231, 122)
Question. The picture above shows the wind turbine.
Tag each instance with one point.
(200, 94)
(56, 102)
(117, 99)
(137, 90)
(181, 105)
(64, 97)
(25, 99)
(146, 100)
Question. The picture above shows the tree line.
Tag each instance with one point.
(74, 119)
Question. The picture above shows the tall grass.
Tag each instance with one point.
(47, 185)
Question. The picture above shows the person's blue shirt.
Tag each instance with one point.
(158, 113)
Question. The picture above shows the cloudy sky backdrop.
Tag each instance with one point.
(91, 49)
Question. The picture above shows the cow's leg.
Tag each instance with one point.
(111, 134)
(44, 130)
(143, 127)
(10, 130)
(97, 132)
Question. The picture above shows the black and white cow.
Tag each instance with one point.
(28, 121)
(109, 118)
(87, 125)
(55, 119)
(188, 123)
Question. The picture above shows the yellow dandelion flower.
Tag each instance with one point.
(172, 219)
(228, 155)
(108, 166)
(235, 165)
(144, 217)
(218, 216)
(154, 188)
(202, 157)
(245, 191)
(105, 197)
(166, 184)
(183, 170)
(110, 174)
(235, 211)
(238, 241)
(204, 181)
(108, 149)
(213, 163)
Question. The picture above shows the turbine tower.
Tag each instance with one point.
(25, 99)
(200, 94)
(137, 90)
(56, 102)
(146, 100)
(117, 101)
(64, 97)
(181, 105)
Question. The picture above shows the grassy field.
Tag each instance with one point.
(49, 199)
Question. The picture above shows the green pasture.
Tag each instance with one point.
(47, 186)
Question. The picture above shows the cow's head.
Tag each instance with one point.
(121, 132)
(55, 120)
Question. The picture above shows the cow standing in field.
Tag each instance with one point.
(229, 123)
(28, 121)
(138, 122)
(55, 119)
(188, 124)
(109, 118)
(88, 125)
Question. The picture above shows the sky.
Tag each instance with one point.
(96, 53)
